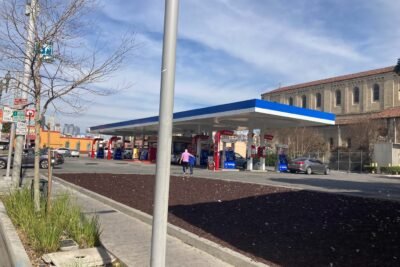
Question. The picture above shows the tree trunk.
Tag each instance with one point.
(36, 193)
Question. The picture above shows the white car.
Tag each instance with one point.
(63, 151)
(75, 153)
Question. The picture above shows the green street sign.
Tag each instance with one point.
(19, 115)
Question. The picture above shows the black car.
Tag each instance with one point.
(28, 159)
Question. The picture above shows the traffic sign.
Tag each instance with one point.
(20, 101)
(30, 113)
(19, 115)
(7, 114)
(21, 128)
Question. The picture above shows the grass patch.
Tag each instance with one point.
(44, 229)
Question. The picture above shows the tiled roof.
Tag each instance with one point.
(334, 79)
(387, 113)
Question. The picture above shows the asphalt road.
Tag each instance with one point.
(366, 185)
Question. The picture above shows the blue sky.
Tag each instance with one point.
(235, 50)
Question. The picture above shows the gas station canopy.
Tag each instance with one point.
(248, 114)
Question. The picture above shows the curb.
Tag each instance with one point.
(14, 247)
(225, 254)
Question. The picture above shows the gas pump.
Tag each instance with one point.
(118, 152)
(110, 143)
(201, 148)
(100, 151)
(217, 140)
(152, 151)
(92, 154)
(282, 159)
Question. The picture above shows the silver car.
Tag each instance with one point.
(308, 166)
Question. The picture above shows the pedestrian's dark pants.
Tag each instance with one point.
(185, 165)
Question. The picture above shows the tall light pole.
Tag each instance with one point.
(4, 84)
(31, 9)
(160, 213)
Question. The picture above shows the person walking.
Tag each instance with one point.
(185, 161)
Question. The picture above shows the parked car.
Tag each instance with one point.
(4, 145)
(241, 162)
(127, 154)
(59, 158)
(308, 166)
(63, 151)
(28, 159)
(75, 153)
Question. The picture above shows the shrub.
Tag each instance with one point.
(391, 170)
(45, 229)
(370, 169)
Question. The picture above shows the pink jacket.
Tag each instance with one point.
(185, 156)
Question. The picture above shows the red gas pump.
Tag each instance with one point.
(261, 152)
(112, 139)
(152, 152)
(253, 151)
(217, 139)
(93, 143)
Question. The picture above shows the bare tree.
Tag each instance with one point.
(365, 132)
(71, 73)
(302, 140)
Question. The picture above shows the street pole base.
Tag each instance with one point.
(7, 178)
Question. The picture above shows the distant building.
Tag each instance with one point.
(372, 95)
(71, 129)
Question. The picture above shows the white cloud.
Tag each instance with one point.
(235, 50)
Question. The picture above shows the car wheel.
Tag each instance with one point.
(44, 164)
(245, 166)
(3, 164)
(293, 171)
(308, 171)
(326, 171)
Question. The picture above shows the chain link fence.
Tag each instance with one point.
(350, 161)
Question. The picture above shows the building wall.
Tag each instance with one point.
(389, 95)
(57, 140)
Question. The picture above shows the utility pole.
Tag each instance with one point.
(31, 8)
(163, 167)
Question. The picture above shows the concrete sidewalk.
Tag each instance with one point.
(129, 239)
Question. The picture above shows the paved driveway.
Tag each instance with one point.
(367, 185)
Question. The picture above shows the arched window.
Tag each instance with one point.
(356, 95)
(338, 97)
(303, 101)
(375, 96)
(291, 101)
(318, 99)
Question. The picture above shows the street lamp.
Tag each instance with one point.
(4, 83)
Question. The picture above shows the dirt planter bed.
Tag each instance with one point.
(277, 226)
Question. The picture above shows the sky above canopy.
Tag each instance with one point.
(235, 50)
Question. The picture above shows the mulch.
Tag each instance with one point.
(277, 226)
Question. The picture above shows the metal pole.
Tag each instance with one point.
(160, 214)
(19, 140)
(338, 159)
(349, 161)
(361, 162)
(49, 169)
(10, 149)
